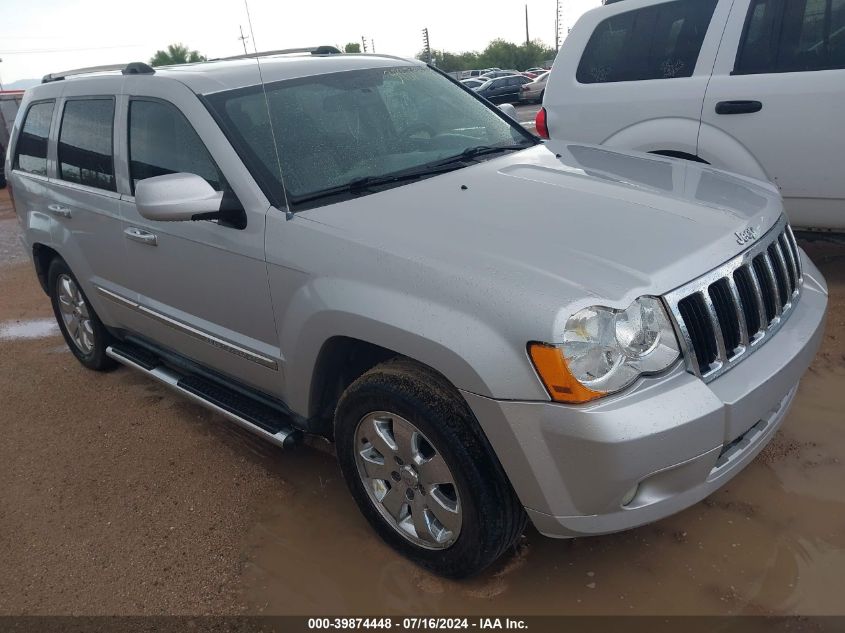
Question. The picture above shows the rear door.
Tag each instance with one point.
(778, 90)
(202, 287)
(84, 204)
(633, 74)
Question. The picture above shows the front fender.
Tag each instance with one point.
(470, 353)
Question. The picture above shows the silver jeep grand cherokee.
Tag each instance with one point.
(340, 245)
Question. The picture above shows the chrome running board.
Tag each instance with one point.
(251, 415)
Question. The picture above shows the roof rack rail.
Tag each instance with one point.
(314, 50)
(133, 68)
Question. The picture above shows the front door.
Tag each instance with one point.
(201, 286)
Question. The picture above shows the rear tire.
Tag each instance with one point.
(84, 333)
(416, 406)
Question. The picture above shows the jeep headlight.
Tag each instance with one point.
(604, 350)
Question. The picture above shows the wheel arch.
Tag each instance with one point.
(724, 151)
(340, 361)
(42, 257)
(668, 134)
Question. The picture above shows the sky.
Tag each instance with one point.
(42, 36)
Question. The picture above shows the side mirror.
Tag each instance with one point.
(176, 197)
(510, 111)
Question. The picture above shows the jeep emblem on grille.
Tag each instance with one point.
(748, 235)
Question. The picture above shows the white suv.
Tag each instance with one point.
(752, 86)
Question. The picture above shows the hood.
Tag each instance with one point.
(560, 216)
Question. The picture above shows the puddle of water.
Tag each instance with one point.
(772, 541)
(35, 328)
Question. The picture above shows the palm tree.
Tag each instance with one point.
(176, 54)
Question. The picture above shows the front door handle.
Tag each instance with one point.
(59, 210)
(738, 107)
(142, 236)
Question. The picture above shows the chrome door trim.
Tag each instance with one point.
(201, 335)
(105, 193)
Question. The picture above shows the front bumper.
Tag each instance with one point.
(676, 438)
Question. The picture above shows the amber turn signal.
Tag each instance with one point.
(560, 383)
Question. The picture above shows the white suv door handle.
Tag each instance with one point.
(59, 210)
(142, 236)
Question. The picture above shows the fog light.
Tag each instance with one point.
(629, 496)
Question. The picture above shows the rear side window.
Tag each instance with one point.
(86, 143)
(161, 141)
(792, 36)
(31, 150)
(658, 42)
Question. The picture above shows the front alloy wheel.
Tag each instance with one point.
(408, 480)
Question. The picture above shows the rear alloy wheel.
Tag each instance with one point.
(84, 333)
(75, 314)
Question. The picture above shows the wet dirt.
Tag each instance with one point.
(119, 497)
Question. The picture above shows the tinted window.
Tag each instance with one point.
(31, 151)
(161, 141)
(85, 143)
(793, 36)
(657, 42)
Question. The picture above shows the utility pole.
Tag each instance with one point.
(527, 39)
(243, 38)
(364, 43)
(373, 44)
(426, 45)
(557, 26)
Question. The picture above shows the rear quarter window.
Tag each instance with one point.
(31, 148)
(657, 42)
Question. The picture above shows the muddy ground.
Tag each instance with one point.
(118, 497)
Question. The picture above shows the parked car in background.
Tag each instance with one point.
(474, 83)
(470, 74)
(537, 70)
(533, 91)
(755, 87)
(503, 89)
(495, 74)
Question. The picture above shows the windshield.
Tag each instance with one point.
(336, 129)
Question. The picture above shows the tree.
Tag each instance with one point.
(352, 47)
(176, 54)
(498, 54)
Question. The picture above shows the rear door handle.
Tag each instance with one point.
(142, 236)
(59, 210)
(738, 107)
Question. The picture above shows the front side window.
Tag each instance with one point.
(86, 142)
(337, 129)
(658, 42)
(162, 141)
(792, 36)
(31, 150)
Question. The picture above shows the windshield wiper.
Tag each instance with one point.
(483, 150)
(368, 182)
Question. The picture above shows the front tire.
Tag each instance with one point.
(422, 472)
(84, 333)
